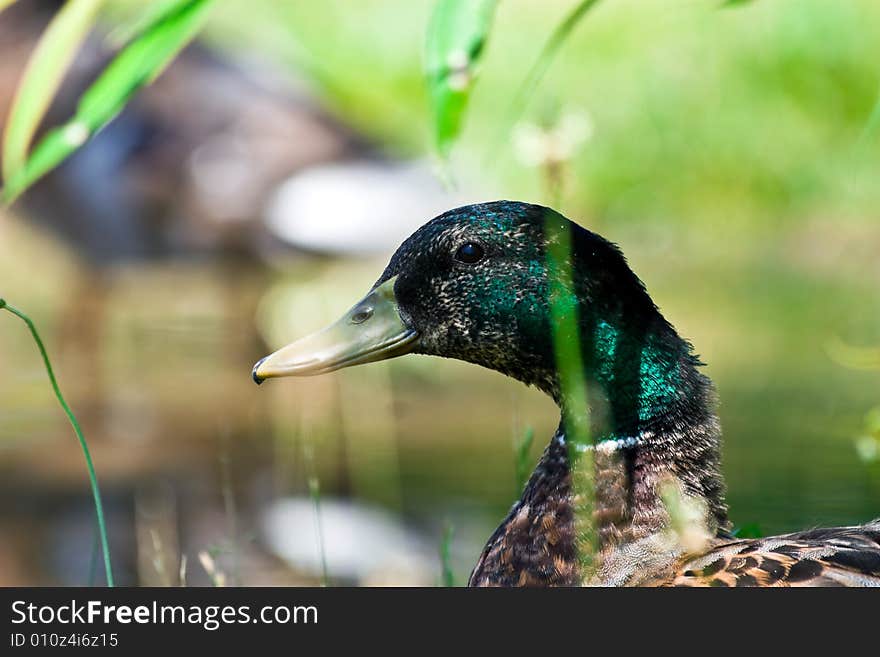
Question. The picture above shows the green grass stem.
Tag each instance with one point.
(447, 574)
(93, 479)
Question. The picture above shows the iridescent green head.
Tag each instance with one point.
(478, 284)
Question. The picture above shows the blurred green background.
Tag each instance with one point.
(730, 152)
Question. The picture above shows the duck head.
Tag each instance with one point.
(478, 284)
(512, 286)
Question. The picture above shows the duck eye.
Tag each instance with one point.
(469, 253)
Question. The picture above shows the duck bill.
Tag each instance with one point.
(371, 330)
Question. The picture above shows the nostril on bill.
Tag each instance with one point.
(362, 314)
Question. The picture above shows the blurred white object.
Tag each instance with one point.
(357, 206)
(361, 543)
(538, 146)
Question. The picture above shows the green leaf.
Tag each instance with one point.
(127, 30)
(457, 35)
(43, 74)
(137, 65)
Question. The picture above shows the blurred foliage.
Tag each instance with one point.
(750, 114)
(47, 66)
(447, 574)
(557, 38)
(456, 38)
(167, 28)
(868, 444)
(854, 357)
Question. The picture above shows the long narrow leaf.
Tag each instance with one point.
(572, 385)
(548, 53)
(137, 65)
(457, 35)
(554, 43)
(539, 68)
(128, 30)
(43, 74)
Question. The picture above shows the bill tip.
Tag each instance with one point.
(257, 378)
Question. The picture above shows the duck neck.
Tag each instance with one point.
(652, 419)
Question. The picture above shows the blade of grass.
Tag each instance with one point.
(209, 564)
(42, 77)
(127, 30)
(447, 573)
(315, 495)
(93, 559)
(551, 48)
(539, 68)
(93, 479)
(5, 3)
(139, 63)
(229, 505)
(566, 333)
(457, 34)
(564, 311)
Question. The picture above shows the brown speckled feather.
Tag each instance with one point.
(535, 545)
(839, 556)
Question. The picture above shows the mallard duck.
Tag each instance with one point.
(477, 284)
